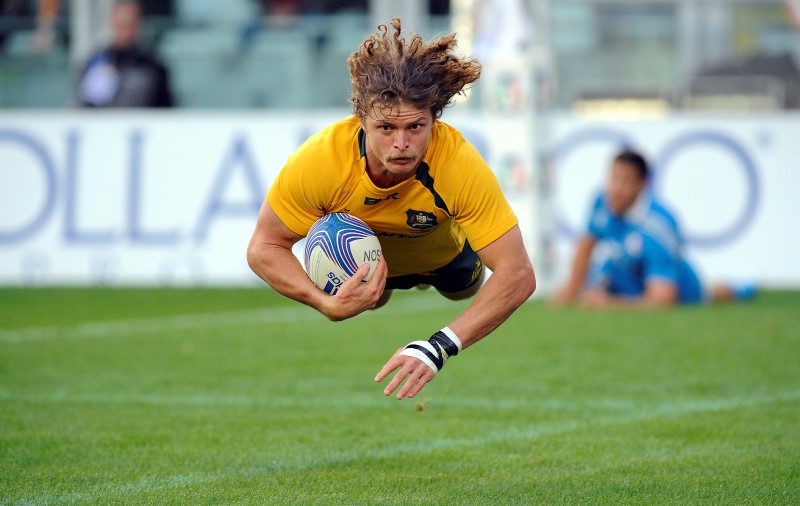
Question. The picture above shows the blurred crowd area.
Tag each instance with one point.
(291, 54)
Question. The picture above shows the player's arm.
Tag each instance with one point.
(658, 293)
(577, 276)
(270, 256)
(512, 282)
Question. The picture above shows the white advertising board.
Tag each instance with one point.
(127, 198)
(732, 182)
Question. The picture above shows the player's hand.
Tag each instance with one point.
(563, 296)
(355, 297)
(413, 370)
(595, 299)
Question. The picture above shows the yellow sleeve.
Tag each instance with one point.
(307, 185)
(296, 207)
(479, 205)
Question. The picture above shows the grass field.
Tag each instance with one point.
(212, 396)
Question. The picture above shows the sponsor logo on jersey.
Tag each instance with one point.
(420, 219)
(369, 201)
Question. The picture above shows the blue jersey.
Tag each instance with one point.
(643, 245)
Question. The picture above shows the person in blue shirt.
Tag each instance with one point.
(632, 253)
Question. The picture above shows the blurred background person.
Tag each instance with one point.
(125, 74)
(48, 23)
(632, 252)
(46, 18)
(793, 12)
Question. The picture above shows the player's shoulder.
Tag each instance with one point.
(600, 215)
(600, 201)
(448, 147)
(600, 209)
(447, 137)
(660, 228)
(335, 145)
(658, 210)
(335, 136)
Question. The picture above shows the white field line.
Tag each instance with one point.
(282, 314)
(667, 410)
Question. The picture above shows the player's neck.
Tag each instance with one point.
(382, 177)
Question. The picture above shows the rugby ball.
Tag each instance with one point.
(336, 245)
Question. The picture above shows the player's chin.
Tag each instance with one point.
(403, 170)
(403, 164)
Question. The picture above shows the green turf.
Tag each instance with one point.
(183, 396)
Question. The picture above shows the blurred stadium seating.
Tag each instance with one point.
(673, 53)
(34, 80)
(761, 82)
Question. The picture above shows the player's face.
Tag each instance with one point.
(624, 185)
(125, 22)
(397, 140)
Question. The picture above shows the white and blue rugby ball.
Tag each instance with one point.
(336, 245)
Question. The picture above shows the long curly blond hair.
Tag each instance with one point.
(388, 69)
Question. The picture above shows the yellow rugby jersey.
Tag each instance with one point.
(421, 223)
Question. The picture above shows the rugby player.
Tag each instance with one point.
(432, 200)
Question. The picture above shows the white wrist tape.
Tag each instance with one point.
(423, 351)
(453, 337)
(436, 350)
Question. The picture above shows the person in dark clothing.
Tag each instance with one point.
(124, 74)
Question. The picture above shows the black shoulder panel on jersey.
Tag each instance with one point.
(424, 177)
(362, 142)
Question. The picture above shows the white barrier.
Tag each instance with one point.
(154, 198)
(732, 181)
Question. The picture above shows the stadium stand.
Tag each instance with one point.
(762, 81)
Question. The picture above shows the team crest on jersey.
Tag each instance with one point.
(421, 219)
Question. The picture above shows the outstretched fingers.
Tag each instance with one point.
(415, 373)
